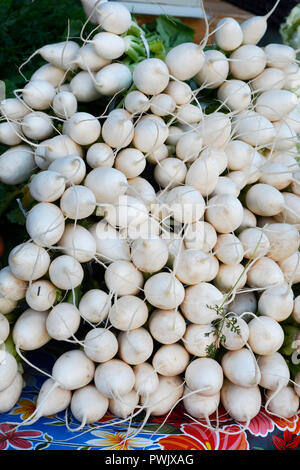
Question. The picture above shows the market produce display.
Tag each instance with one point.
(162, 256)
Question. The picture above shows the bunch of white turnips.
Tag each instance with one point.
(167, 290)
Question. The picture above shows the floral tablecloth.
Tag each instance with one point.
(266, 432)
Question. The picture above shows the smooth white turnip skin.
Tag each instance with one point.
(110, 46)
(150, 133)
(128, 313)
(254, 29)
(238, 154)
(297, 384)
(72, 168)
(285, 136)
(118, 129)
(100, 345)
(197, 301)
(285, 404)
(64, 104)
(185, 60)
(12, 289)
(224, 213)
(57, 400)
(100, 154)
(215, 129)
(170, 360)
(38, 94)
(234, 340)
(112, 79)
(126, 212)
(296, 309)
(228, 35)
(17, 164)
(110, 245)
(47, 186)
(204, 375)
(83, 87)
(255, 242)
(240, 368)
(189, 114)
(87, 59)
(200, 236)
(164, 291)
(50, 73)
(265, 273)
(277, 302)
(136, 102)
(270, 79)
(203, 175)
(195, 266)
(4, 328)
(197, 338)
(229, 276)
(242, 403)
(166, 395)
(292, 120)
(188, 146)
(276, 174)
(279, 55)
(54, 148)
(249, 221)
(61, 54)
(37, 126)
(65, 272)
(146, 379)
(274, 371)
(226, 185)
(123, 278)
(235, 94)
(291, 268)
(162, 104)
(150, 255)
(114, 378)
(73, 370)
(200, 406)
(63, 321)
(113, 17)
(45, 224)
(170, 172)
(28, 261)
(83, 128)
(229, 249)
(167, 326)
(6, 305)
(263, 199)
(13, 108)
(254, 129)
(247, 62)
(30, 332)
(10, 395)
(124, 406)
(181, 92)
(265, 335)
(290, 213)
(131, 162)
(78, 242)
(140, 188)
(77, 202)
(135, 346)
(94, 305)
(41, 295)
(186, 204)
(8, 369)
(107, 184)
(9, 133)
(275, 104)
(214, 70)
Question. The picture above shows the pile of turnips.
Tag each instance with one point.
(193, 217)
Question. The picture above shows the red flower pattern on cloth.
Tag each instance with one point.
(17, 439)
(290, 441)
(197, 437)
